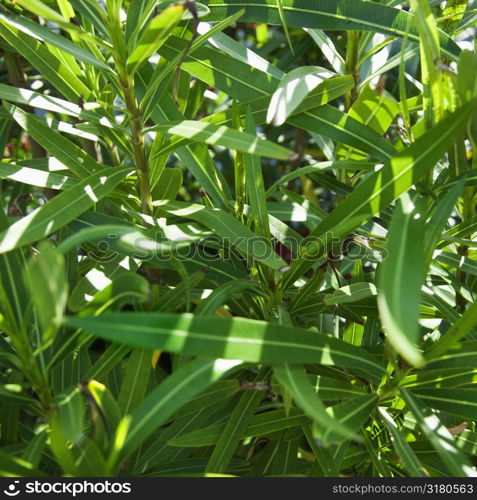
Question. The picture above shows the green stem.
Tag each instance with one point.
(30, 367)
(137, 140)
(352, 63)
(135, 118)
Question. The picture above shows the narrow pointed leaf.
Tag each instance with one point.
(401, 278)
(329, 15)
(68, 153)
(61, 209)
(297, 383)
(223, 136)
(170, 395)
(291, 91)
(439, 437)
(154, 35)
(234, 338)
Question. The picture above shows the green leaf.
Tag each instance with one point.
(106, 362)
(45, 276)
(227, 227)
(440, 437)
(379, 189)
(246, 83)
(255, 186)
(397, 176)
(442, 377)
(70, 415)
(47, 35)
(466, 84)
(331, 389)
(13, 293)
(104, 405)
(167, 185)
(401, 279)
(324, 456)
(61, 209)
(456, 355)
(135, 381)
(320, 167)
(155, 88)
(195, 156)
(352, 413)
(466, 442)
(170, 395)
(284, 24)
(404, 451)
(35, 448)
(291, 91)
(330, 122)
(235, 426)
(11, 466)
(221, 294)
(457, 262)
(154, 36)
(325, 92)
(298, 385)
(40, 9)
(234, 338)
(456, 401)
(351, 293)
(37, 54)
(452, 14)
(221, 135)
(132, 240)
(12, 393)
(459, 330)
(50, 103)
(72, 156)
(97, 280)
(92, 12)
(436, 224)
(212, 396)
(261, 424)
(328, 48)
(329, 15)
(373, 109)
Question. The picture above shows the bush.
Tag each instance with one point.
(238, 241)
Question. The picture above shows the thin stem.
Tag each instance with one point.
(352, 63)
(31, 369)
(134, 113)
(137, 140)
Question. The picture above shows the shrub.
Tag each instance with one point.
(238, 240)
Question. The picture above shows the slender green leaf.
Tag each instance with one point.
(396, 177)
(45, 276)
(291, 91)
(297, 383)
(234, 338)
(72, 156)
(439, 437)
(401, 279)
(235, 426)
(61, 209)
(154, 36)
(170, 395)
(223, 136)
(261, 424)
(402, 447)
(328, 15)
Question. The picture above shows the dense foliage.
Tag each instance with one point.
(238, 238)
